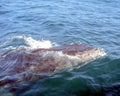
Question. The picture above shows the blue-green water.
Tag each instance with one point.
(94, 22)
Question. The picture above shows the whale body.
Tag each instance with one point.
(22, 65)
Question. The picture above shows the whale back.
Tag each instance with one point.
(23, 65)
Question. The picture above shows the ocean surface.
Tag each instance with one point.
(26, 23)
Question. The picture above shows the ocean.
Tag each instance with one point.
(27, 23)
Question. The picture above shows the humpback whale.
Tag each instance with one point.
(22, 65)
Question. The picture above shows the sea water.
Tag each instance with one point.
(36, 24)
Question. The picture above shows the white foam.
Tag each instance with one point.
(34, 44)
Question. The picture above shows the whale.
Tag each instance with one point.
(18, 66)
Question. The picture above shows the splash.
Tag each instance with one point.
(24, 42)
(34, 44)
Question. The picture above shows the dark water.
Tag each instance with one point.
(94, 22)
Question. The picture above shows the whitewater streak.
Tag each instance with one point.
(38, 59)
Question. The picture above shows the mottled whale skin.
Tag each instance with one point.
(22, 65)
